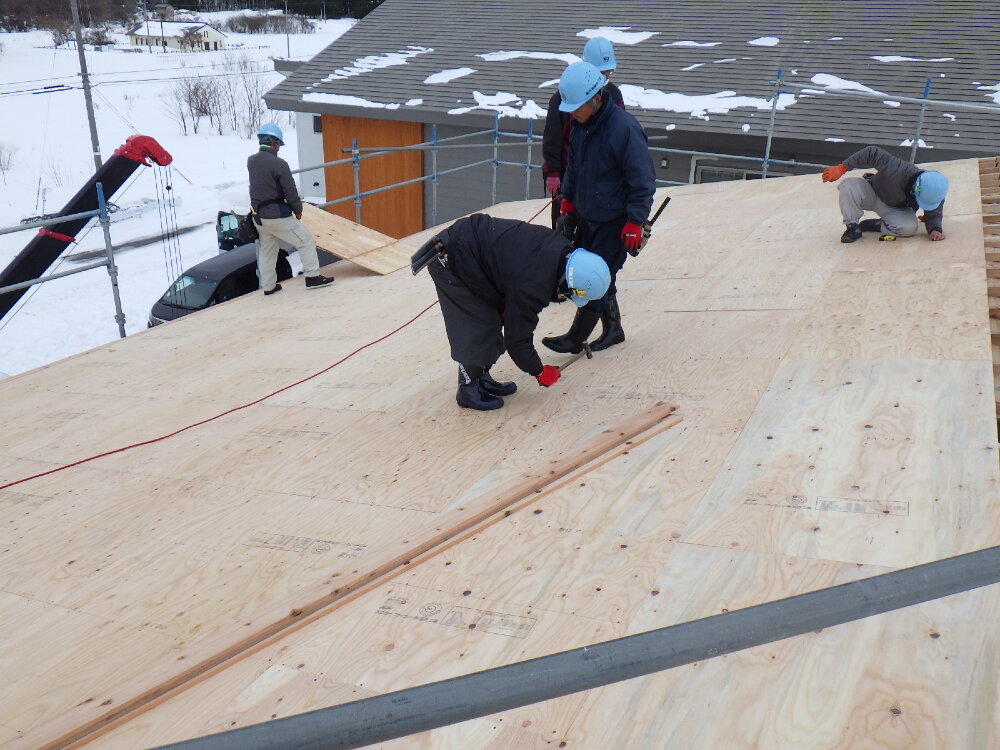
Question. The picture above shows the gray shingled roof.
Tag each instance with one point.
(953, 42)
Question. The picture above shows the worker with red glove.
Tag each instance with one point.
(493, 278)
(555, 138)
(895, 192)
(608, 187)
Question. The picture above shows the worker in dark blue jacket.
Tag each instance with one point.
(600, 53)
(607, 192)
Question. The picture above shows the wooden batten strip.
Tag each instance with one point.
(101, 713)
(990, 197)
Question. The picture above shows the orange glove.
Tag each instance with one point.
(548, 376)
(834, 173)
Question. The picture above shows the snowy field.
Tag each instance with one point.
(46, 156)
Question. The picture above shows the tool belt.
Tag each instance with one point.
(268, 202)
(433, 249)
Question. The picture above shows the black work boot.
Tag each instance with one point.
(572, 341)
(495, 387)
(851, 234)
(870, 225)
(612, 320)
(471, 394)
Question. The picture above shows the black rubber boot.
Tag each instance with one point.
(495, 387)
(572, 341)
(613, 332)
(870, 225)
(851, 234)
(471, 394)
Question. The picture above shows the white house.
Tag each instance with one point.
(181, 35)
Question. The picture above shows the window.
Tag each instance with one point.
(189, 292)
(317, 124)
(722, 174)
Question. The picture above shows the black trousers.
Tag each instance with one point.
(604, 239)
(474, 327)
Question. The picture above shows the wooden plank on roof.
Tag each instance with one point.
(354, 242)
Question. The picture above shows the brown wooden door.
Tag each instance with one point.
(397, 212)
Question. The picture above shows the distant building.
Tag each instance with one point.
(164, 11)
(179, 35)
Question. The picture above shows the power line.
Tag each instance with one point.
(48, 90)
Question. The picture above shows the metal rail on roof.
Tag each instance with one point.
(437, 704)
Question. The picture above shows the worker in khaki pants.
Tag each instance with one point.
(278, 208)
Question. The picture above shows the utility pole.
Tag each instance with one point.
(86, 83)
(288, 43)
(105, 224)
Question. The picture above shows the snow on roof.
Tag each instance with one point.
(374, 62)
(618, 34)
(449, 75)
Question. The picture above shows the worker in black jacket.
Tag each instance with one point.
(493, 278)
(555, 138)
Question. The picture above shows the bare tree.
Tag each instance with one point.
(254, 89)
(99, 36)
(7, 152)
(190, 37)
(60, 34)
(175, 106)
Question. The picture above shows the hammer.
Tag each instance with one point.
(575, 357)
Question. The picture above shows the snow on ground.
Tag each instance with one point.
(46, 140)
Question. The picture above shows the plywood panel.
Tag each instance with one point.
(840, 461)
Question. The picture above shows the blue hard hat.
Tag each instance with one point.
(272, 130)
(599, 53)
(930, 189)
(578, 85)
(587, 276)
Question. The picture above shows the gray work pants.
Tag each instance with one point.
(292, 232)
(857, 196)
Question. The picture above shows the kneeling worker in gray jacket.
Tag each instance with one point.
(276, 202)
(895, 193)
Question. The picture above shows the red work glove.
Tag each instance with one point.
(549, 376)
(834, 173)
(566, 207)
(631, 236)
(298, 216)
(552, 183)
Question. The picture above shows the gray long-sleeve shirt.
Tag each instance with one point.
(893, 183)
(271, 180)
